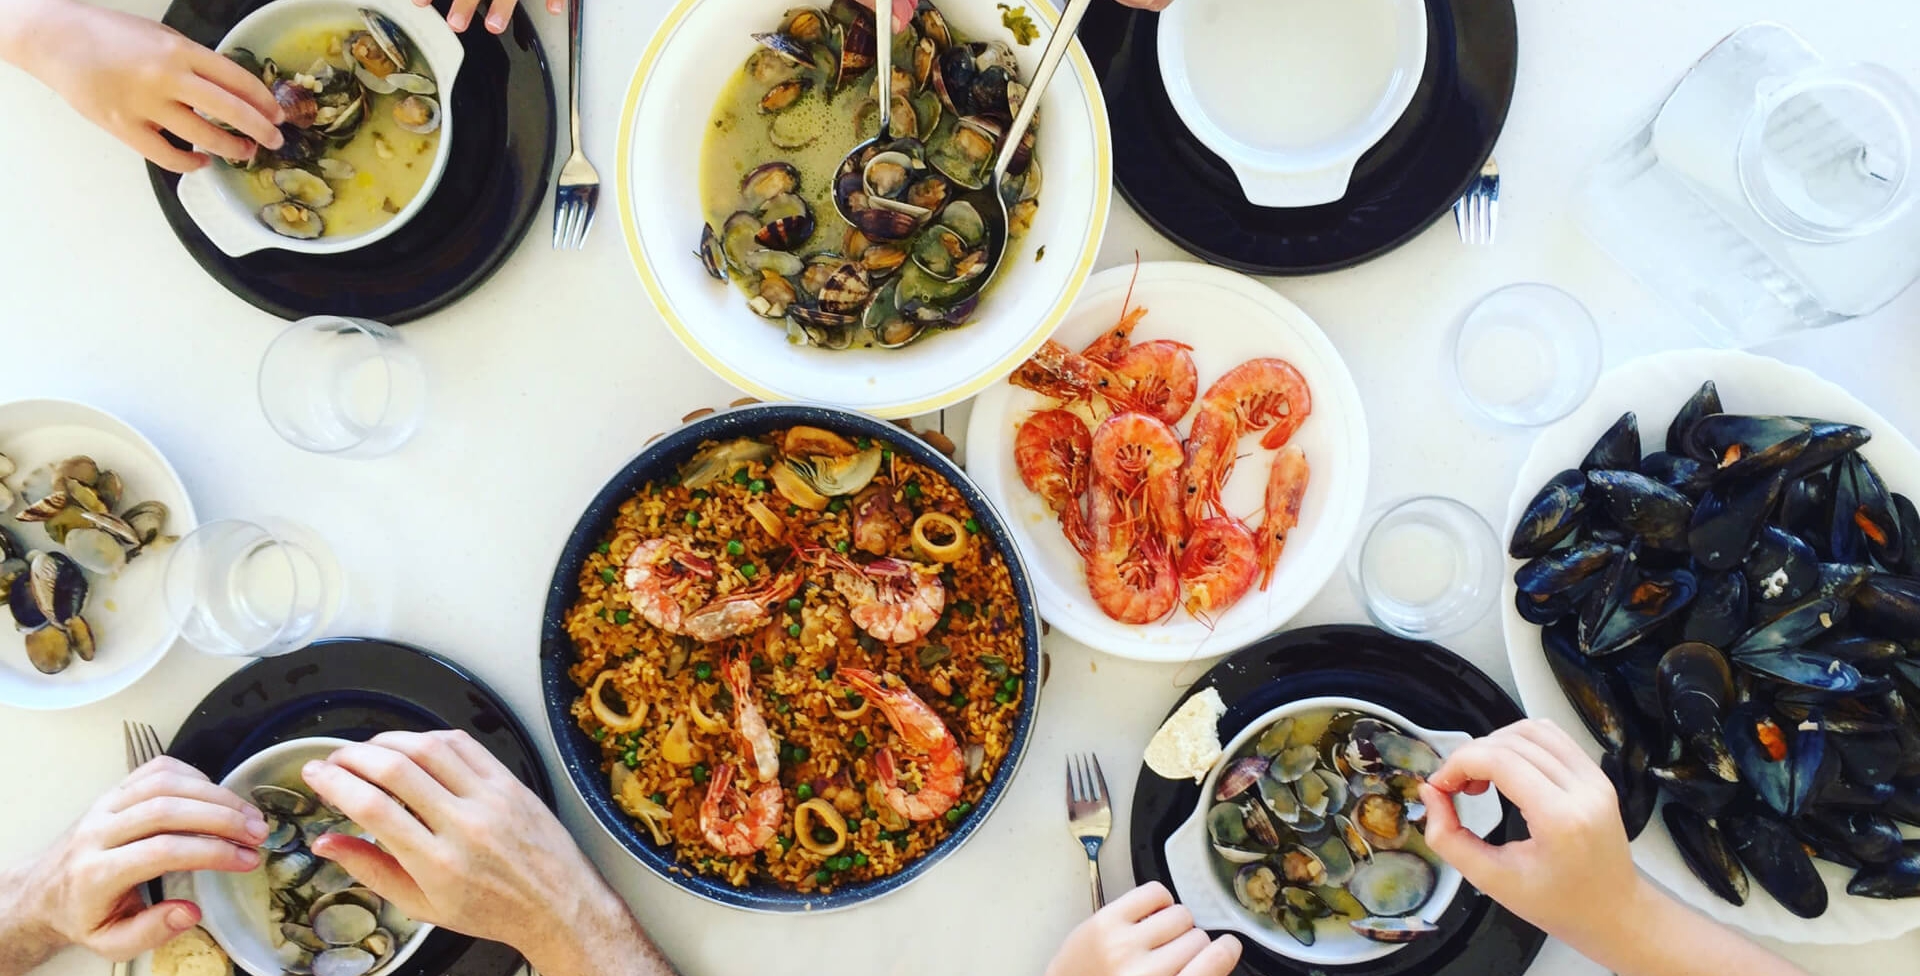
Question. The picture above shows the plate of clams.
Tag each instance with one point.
(1308, 834)
(87, 508)
(1715, 575)
(298, 913)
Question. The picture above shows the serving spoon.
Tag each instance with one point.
(988, 200)
(883, 75)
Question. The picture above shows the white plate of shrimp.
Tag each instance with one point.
(1185, 485)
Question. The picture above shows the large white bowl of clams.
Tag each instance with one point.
(365, 85)
(298, 912)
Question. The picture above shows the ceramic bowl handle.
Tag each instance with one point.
(1311, 188)
(234, 233)
(1190, 869)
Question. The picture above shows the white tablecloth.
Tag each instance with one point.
(551, 376)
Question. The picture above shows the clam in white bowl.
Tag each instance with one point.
(214, 196)
(697, 50)
(1205, 880)
(234, 907)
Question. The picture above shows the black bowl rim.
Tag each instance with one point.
(580, 756)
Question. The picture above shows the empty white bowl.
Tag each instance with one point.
(1206, 888)
(1291, 93)
(233, 906)
(230, 220)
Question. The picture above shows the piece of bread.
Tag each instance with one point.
(191, 953)
(1188, 745)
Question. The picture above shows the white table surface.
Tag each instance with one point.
(551, 376)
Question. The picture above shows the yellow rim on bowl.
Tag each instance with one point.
(1083, 266)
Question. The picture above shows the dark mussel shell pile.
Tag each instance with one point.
(1736, 617)
(908, 264)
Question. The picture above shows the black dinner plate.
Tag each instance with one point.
(1404, 183)
(1432, 687)
(355, 688)
(495, 180)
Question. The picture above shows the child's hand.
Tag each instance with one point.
(499, 12)
(1144, 933)
(134, 77)
(1577, 857)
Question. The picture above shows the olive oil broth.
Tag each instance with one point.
(390, 163)
(740, 138)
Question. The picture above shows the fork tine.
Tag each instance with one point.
(577, 228)
(1100, 779)
(559, 216)
(586, 225)
(126, 735)
(153, 740)
(1079, 780)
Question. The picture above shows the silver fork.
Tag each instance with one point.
(578, 191)
(143, 746)
(1089, 814)
(1477, 213)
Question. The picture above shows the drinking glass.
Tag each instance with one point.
(1526, 355)
(251, 589)
(342, 386)
(1428, 568)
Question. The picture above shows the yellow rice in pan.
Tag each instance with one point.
(968, 668)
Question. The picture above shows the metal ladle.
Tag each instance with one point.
(883, 52)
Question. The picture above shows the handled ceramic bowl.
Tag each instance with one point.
(1277, 174)
(1209, 894)
(233, 907)
(230, 220)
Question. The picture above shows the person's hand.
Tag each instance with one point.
(1577, 856)
(499, 12)
(1143, 933)
(903, 11)
(165, 816)
(134, 78)
(472, 849)
(1147, 4)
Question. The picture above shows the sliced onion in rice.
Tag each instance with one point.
(768, 521)
(612, 708)
(710, 724)
(678, 747)
(940, 537)
(823, 814)
(976, 757)
(632, 798)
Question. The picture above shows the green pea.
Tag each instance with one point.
(837, 505)
(859, 860)
(700, 772)
(757, 486)
(603, 613)
(734, 548)
(840, 546)
(822, 876)
(823, 674)
(864, 442)
(602, 548)
(912, 490)
(741, 477)
(621, 617)
(794, 604)
(973, 526)
(964, 808)
(953, 815)
(793, 630)
(630, 759)
(1002, 698)
(886, 456)
(959, 699)
(749, 570)
(791, 509)
(786, 661)
(700, 495)
(660, 798)
(786, 843)
(1011, 684)
(804, 791)
(599, 734)
(693, 518)
(854, 699)
(800, 753)
(842, 863)
(782, 708)
(703, 671)
(823, 836)
(860, 739)
(868, 813)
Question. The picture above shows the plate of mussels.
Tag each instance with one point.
(87, 506)
(1716, 573)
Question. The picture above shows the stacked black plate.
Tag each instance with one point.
(496, 178)
(1428, 684)
(1406, 182)
(356, 688)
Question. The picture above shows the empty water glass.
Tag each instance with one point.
(1526, 355)
(1429, 568)
(342, 386)
(251, 589)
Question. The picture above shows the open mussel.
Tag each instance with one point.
(1632, 606)
(1781, 764)
(1865, 524)
(1737, 445)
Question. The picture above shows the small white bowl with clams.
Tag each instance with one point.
(298, 912)
(1308, 840)
(366, 86)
